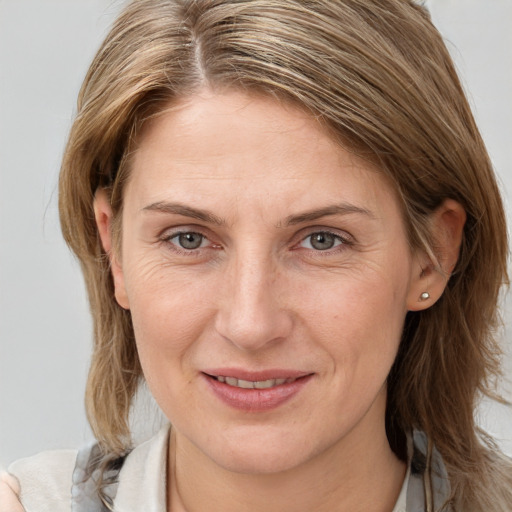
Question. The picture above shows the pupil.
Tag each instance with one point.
(190, 240)
(322, 241)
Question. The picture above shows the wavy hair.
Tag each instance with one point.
(378, 75)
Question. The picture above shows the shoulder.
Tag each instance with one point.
(45, 480)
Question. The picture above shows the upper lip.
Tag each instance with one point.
(256, 376)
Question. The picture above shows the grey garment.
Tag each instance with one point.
(427, 491)
(85, 495)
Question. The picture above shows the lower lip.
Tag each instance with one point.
(256, 400)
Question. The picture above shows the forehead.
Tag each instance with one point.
(253, 149)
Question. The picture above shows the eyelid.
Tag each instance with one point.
(170, 232)
(345, 236)
(170, 235)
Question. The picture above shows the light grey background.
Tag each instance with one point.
(45, 332)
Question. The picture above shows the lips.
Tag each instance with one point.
(255, 391)
(249, 384)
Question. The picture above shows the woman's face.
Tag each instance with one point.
(268, 275)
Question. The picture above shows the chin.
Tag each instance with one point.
(262, 463)
(262, 454)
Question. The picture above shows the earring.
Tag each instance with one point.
(424, 296)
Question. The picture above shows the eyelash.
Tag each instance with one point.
(341, 242)
(167, 239)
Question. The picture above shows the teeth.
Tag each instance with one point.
(231, 381)
(248, 384)
(245, 384)
(265, 384)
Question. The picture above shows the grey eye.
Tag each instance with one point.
(322, 241)
(190, 240)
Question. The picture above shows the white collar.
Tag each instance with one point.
(143, 478)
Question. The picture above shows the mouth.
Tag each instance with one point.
(256, 391)
(252, 384)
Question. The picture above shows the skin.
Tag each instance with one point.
(258, 295)
(9, 492)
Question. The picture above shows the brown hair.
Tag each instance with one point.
(377, 73)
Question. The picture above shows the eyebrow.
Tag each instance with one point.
(185, 211)
(292, 220)
(336, 209)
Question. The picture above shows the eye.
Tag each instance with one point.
(188, 240)
(322, 241)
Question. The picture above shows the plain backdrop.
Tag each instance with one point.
(45, 331)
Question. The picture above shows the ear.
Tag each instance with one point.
(104, 217)
(432, 271)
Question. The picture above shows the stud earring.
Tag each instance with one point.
(424, 296)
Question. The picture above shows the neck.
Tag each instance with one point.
(359, 473)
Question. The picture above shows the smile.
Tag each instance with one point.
(256, 391)
(249, 384)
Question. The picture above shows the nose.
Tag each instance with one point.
(252, 313)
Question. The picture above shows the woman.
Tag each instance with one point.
(290, 229)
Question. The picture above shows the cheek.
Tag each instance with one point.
(358, 320)
(358, 300)
(169, 311)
